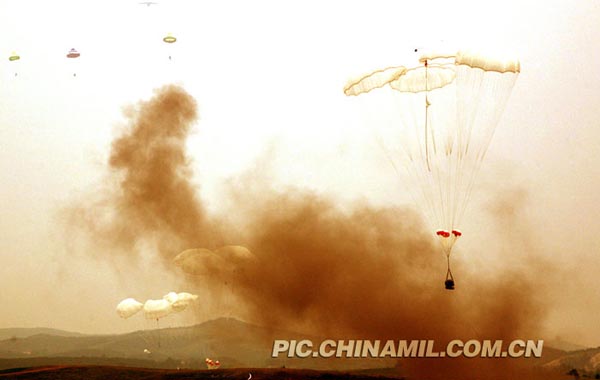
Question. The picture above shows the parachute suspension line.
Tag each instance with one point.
(449, 283)
(469, 187)
(436, 173)
(469, 161)
(449, 272)
(457, 175)
(158, 332)
(421, 191)
(467, 182)
(436, 176)
(426, 115)
(423, 171)
(430, 209)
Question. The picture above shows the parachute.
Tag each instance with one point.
(172, 302)
(128, 307)
(169, 39)
(179, 301)
(445, 110)
(72, 54)
(156, 309)
(212, 364)
(14, 57)
(371, 81)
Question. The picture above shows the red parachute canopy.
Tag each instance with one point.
(73, 53)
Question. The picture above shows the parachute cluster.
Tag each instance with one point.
(73, 53)
(156, 309)
(212, 364)
(444, 111)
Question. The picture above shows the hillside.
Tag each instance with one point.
(234, 343)
(24, 332)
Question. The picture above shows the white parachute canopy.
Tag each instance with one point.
(180, 301)
(156, 309)
(128, 307)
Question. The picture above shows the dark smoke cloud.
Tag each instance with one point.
(376, 273)
(148, 195)
(362, 272)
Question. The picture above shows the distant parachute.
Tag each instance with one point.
(128, 307)
(13, 58)
(169, 39)
(156, 309)
(179, 301)
(212, 364)
(72, 54)
(172, 302)
(446, 110)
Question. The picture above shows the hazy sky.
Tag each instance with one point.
(268, 78)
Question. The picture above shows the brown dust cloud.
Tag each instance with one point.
(362, 272)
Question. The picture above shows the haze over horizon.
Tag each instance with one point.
(267, 80)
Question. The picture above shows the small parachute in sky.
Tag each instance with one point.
(169, 39)
(128, 307)
(73, 54)
(212, 364)
(13, 58)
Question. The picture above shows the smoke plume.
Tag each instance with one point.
(148, 196)
(363, 272)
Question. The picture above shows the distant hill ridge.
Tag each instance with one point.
(24, 332)
(236, 344)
